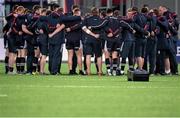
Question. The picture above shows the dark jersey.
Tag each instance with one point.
(141, 21)
(162, 36)
(95, 23)
(17, 24)
(76, 30)
(42, 24)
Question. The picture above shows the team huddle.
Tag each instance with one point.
(142, 36)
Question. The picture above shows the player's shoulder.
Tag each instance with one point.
(114, 18)
(89, 17)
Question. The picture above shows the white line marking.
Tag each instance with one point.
(3, 95)
(86, 86)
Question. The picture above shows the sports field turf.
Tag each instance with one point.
(23, 95)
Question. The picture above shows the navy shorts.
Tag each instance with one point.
(12, 43)
(42, 41)
(128, 49)
(73, 45)
(20, 42)
(92, 46)
(140, 47)
(113, 45)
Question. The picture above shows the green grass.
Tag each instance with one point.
(23, 95)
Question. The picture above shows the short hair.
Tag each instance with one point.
(74, 7)
(116, 13)
(144, 10)
(129, 10)
(156, 11)
(27, 11)
(55, 6)
(48, 12)
(103, 13)
(76, 10)
(135, 9)
(20, 8)
(44, 10)
(36, 7)
(60, 10)
(94, 11)
(108, 11)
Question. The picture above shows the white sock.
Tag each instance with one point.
(167, 71)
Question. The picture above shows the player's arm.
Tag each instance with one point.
(86, 30)
(100, 26)
(65, 19)
(125, 25)
(25, 30)
(58, 29)
(76, 26)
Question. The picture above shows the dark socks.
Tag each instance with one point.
(131, 64)
(11, 69)
(22, 68)
(115, 64)
(18, 62)
(123, 63)
(95, 61)
(38, 67)
(108, 65)
(6, 64)
(35, 64)
(85, 66)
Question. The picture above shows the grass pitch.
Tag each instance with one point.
(93, 96)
